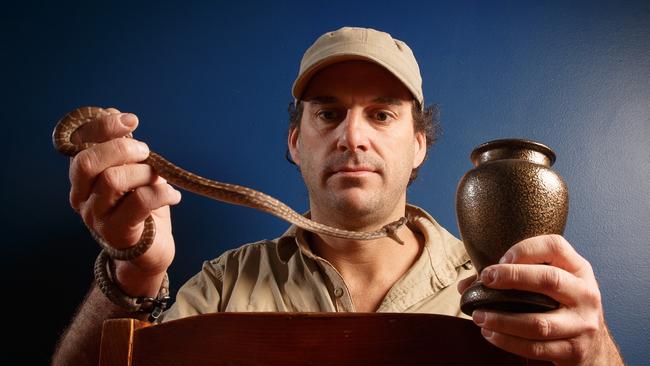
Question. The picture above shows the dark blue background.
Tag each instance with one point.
(211, 83)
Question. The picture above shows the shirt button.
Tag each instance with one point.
(338, 292)
(468, 265)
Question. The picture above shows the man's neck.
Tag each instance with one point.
(370, 267)
(370, 259)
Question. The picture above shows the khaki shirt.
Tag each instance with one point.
(284, 275)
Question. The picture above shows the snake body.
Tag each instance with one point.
(225, 192)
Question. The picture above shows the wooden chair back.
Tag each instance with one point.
(301, 339)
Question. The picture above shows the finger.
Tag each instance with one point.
(114, 182)
(107, 126)
(560, 351)
(465, 283)
(133, 210)
(89, 163)
(547, 249)
(551, 325)
(545, 279)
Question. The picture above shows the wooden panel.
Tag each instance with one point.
(117, 341)
(317, 339)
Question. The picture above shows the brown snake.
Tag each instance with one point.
(224, 192)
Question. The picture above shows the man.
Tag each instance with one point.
(358, 135)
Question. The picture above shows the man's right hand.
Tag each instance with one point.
(114, 193)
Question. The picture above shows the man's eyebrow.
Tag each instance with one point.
(387, 100)
(326, 99)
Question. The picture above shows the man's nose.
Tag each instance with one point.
(354, 132)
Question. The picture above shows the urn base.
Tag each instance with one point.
(477, 296)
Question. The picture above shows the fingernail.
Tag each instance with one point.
(488, 276)
(486, 333)
(143, 148)
(507, 258)
(479, 317)
(173, 190)
(128, 119)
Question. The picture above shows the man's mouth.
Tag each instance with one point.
(354, 171)
(353, 166)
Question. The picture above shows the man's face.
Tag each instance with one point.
(356, 144)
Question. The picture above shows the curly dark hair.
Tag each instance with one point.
(425, 120)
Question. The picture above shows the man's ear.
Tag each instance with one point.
(420, 149)
(294, 144)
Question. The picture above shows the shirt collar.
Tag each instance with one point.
(445, 252)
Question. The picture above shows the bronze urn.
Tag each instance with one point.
(511, 194)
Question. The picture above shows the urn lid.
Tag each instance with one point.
(513, 149)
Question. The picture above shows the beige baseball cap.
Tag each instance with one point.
(350, 43)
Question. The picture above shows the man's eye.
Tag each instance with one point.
(329, 115)
(382, 116)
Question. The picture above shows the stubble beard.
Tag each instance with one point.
(354, 204)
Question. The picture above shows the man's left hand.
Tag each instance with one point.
(573, 334)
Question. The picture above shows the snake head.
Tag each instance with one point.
(391, 229)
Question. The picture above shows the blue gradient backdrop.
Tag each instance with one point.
(210, 82)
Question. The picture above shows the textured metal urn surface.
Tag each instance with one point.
(511, 194)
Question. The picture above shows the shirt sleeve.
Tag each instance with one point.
(201, 294)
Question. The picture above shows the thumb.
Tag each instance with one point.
(465, 283)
